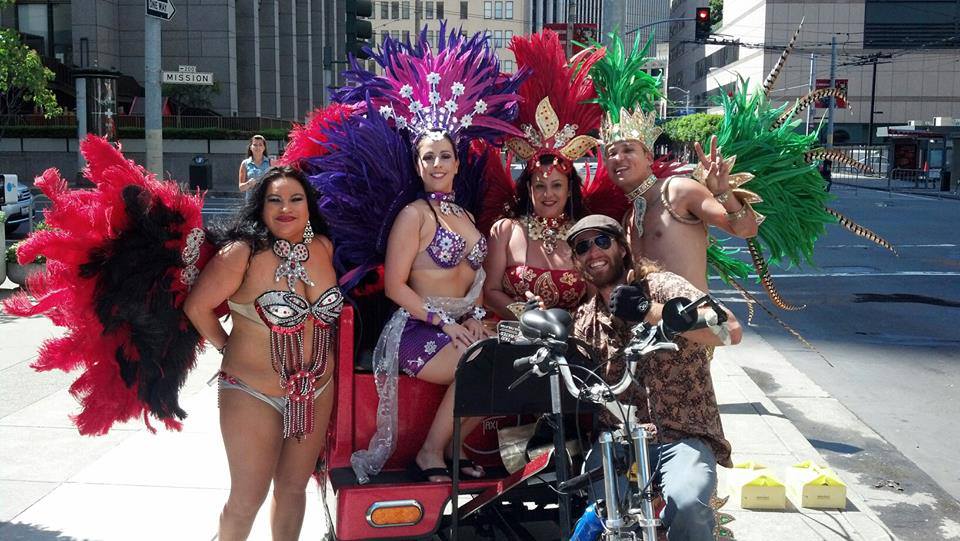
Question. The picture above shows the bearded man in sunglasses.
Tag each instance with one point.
(681, 403)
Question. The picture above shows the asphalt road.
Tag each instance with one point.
(885, 328)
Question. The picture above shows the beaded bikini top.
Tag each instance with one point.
(448, 248)
(287, 311)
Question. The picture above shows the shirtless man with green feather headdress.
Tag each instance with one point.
(669, 213)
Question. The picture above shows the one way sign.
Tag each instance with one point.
(161, 9)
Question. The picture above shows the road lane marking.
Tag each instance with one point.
(898, 246)
(856, 274)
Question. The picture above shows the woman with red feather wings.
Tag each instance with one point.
(528, 219)
(122, 259)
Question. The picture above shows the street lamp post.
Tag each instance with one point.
(686, 109)
(721, 68)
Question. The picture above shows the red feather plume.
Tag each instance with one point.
(82, 225)
(500, 193)
(567, 84)
(307, 140)
(602, 196)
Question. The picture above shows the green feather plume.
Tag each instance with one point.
(620, 80)
(721, 259)
(794, 194)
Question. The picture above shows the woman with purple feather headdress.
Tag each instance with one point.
(388, 193)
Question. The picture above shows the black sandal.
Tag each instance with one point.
(466, 463)
(425, 474)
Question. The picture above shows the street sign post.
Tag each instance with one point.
(161, 9)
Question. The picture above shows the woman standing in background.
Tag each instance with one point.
(255, 165)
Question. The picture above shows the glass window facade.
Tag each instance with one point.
(47, 29)
(902, 24)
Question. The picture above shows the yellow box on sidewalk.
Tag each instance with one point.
(754, 486)
(815, 487)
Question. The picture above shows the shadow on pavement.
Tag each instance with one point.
(834, 446)
(15, 531)
(748, 408)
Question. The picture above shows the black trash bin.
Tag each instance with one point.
(201, 173)
(944, 181)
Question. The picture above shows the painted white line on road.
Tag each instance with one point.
(930, 197)
(857, 274)
(897, 246)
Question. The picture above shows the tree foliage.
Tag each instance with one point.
(691, 128)
(23, 77)
(191, 96)
(716, 12)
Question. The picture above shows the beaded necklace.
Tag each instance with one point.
(447, 201)
(548, 230)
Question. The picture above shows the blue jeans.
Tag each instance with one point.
(687, 478)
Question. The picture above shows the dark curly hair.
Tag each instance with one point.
(524, 204)
(247, 225)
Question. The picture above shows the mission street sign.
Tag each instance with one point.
(187, 75)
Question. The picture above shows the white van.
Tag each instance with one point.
(16, 202)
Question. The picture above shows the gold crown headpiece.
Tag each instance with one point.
(548, 138)
(637, 126)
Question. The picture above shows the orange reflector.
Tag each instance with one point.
(394, 513)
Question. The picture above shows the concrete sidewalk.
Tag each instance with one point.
(56, 485)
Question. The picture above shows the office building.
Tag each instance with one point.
(914, 44)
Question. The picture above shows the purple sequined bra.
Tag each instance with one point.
(448, 249)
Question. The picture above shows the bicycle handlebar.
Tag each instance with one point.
(549, 329)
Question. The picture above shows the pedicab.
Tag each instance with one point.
(395, 504)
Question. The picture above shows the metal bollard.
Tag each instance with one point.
(648, 522)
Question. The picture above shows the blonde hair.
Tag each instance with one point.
(643, 266)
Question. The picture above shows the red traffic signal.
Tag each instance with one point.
(702, 24)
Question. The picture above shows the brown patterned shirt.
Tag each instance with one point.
(681, 389)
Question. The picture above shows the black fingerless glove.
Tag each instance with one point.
(629, 303)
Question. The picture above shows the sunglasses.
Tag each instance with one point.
(602, 241)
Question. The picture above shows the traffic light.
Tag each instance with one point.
(702, 24)
(358, 29)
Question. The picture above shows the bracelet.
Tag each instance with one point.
(478, 313)
(444, 318)
(723, 197)
(738, 215)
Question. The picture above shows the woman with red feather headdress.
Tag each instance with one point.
(530, 217)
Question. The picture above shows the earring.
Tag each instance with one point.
(308, 233)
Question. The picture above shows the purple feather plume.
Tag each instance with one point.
(364, 182)
(471, 98)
